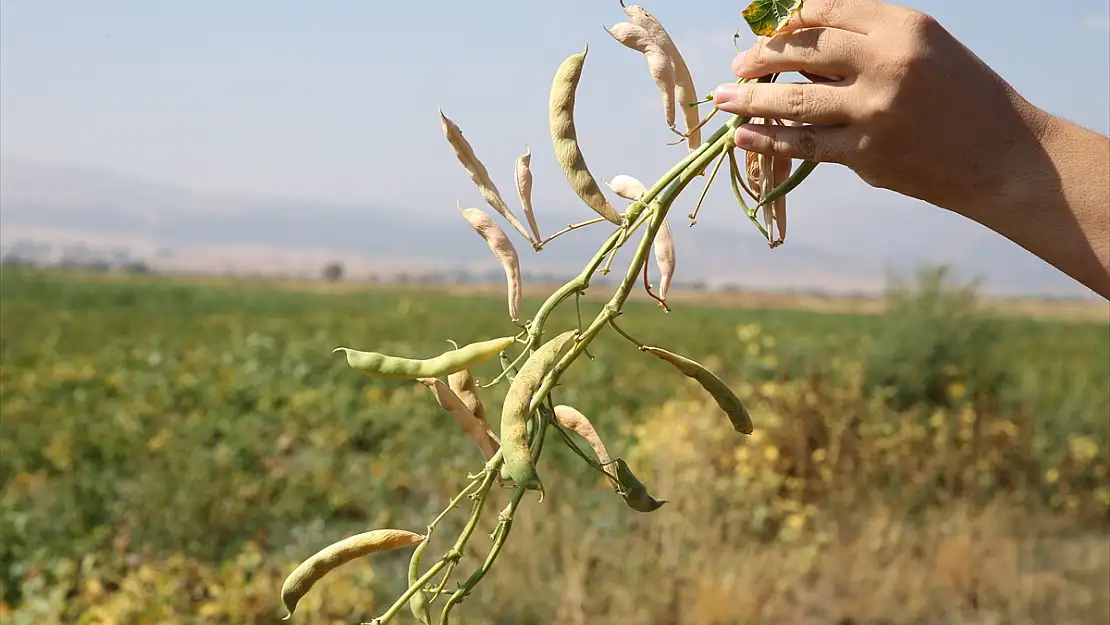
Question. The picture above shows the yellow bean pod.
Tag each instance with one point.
(376, 365)
(515, 413)
(564, 136)
(721, 393)
(312, 570)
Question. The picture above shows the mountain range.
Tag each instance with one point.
(177, 229)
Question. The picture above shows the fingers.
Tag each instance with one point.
(814, 103)
(857, 16)
(827, 52)
(829, 144)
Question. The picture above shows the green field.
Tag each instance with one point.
(170, 451)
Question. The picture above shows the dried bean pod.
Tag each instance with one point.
(564, 137)
(478, 172)
(663, 246)
(725, 398)
(503, 248)
(312, 570)
(524, 189)
(476, 429)
(633, 491)
(659, 64)
(627, 187)
(462, 383)
(684, 90)
(376, 365)
(515, 412)
(576, 422)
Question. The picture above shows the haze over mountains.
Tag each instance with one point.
(175, 229)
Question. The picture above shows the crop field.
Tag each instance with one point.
(170, 451)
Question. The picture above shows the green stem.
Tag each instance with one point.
(795, 179)
(749, 213)
(495, 550)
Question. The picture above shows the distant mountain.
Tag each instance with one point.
(177, 229)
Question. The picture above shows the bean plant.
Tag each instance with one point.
(535, 358)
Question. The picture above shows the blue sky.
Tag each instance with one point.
(337, 101)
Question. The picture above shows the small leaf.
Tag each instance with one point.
(766, 17)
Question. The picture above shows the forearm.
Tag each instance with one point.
(1057, 204)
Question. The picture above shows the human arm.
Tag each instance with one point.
(906, 106)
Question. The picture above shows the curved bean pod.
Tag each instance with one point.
(627, 187)
(663, 246)
(633, 491)
(659, 64)
(564, 137)
(418, 604)
(524, 189)
(725, 398)
(462, 383)
(478, 172)
(376, 365)
(312, 570)
(515, 414)
(475, 428)
(576, 422)
(503, 249)
(684, 89)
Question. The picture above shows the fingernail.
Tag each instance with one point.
(725, 93)
(744, 136)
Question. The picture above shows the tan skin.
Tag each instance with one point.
(896, 98)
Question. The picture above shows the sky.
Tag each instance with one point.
(338, 101)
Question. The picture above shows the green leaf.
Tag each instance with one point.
(766, 17)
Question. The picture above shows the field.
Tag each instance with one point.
(170, 450)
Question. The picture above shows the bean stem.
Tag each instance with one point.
(657, 202)
(572, 228)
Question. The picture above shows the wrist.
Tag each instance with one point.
(1020, 172)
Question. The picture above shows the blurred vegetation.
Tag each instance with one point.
(169, 452)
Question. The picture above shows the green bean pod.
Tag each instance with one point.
(376, 365)
(564, 137)
(515, 413)
(419, 601)
(721, 393)
(633, 491)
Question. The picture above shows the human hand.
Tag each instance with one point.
(896, 98)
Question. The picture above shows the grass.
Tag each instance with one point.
(171, 449)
